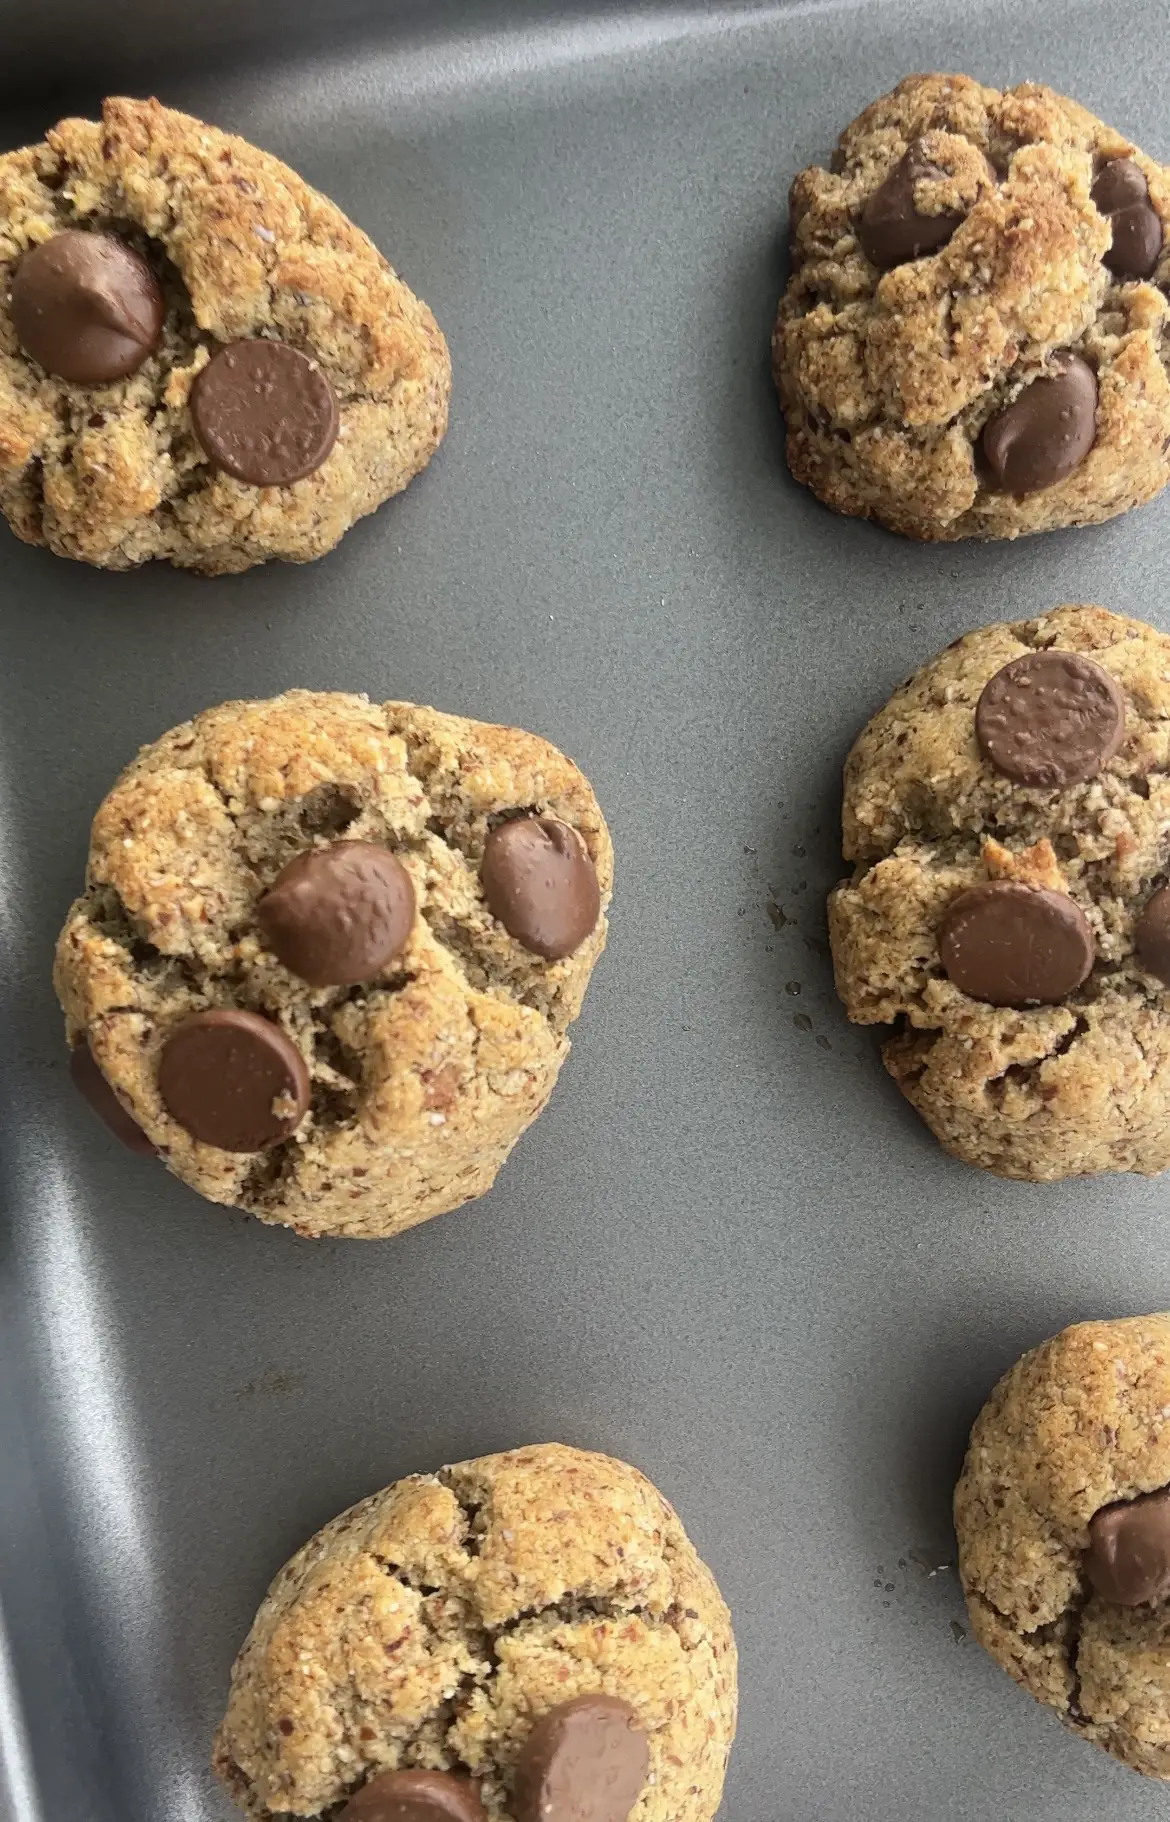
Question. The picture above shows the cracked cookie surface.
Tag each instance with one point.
(1033, 1091)
(434, 1623)
(422, 1077)
(890, 378)
(114, 474)
(1079, 1424)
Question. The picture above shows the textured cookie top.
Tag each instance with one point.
(962, 247)
(917, 771)
(418, 1074)
(928, 815)
(243, 248)
(433, 1624)
(1078, 1425)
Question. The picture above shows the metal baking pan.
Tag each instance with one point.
(727, 1251)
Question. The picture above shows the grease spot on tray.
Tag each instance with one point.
(270, 1384)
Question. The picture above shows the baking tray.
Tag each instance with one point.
(727, 1251)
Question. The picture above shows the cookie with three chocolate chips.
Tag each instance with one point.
(201, 358)
(328, 953)
(1063, 1522)
(1009, 911)
(530, 1637)
(975, 334)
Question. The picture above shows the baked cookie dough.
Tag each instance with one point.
(328, 952)
(529, 1636)
(1007, 816)
(201, 358)
(974, 335)
(1063, 1519)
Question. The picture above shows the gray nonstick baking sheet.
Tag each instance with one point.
(727, 1251)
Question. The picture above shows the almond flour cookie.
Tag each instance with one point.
(328, 952)
(974, 335)
(1063, 1519)
(530, 1636)
(200, 357)
(1007, 816)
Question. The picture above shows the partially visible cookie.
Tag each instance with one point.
(1006, 814)
(328, 952)
(974, 337)
(1063, 1520)
(201, 358)
(528, 1637)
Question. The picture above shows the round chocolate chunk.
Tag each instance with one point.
(1015, 945)
(337, 915)
(87, 307)
(1046, 433)
(585, 1761)
(1151, 936)
(93, 1087)
(1122, 193)
(1129, 1551)
(1050, 719)
(415, 1796)
(264, 413)
(539, 881)
(234, 1080)
(891, 230)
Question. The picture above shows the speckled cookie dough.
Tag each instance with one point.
(974, 338)
(201, 358)
(328, 952)
(456, 1622)
(1006, 813)
(1063, 1519)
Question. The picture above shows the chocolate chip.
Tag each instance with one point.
(1050, 719)
(337, 915)
(1152, 936)
(891, 230)
(585, 1761)
(1119, 185)
(415, 1796)
(1122, 193)
(1014, 945)
(539, 881)
(1046, 433)
(264, 413)
(87, 307)
(93, 1087)
(234, 1080)
(1129, 1551)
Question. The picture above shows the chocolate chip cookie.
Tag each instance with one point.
(1009, 912)
(974, 338)
(328, 952)
(201, 359)
(1063, 1518)
(530, 1636)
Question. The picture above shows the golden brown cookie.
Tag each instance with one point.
(294, 973)
(201, 358)
(973, 339)
(1006, 813)
(438, 1625)
(1063, 1521)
